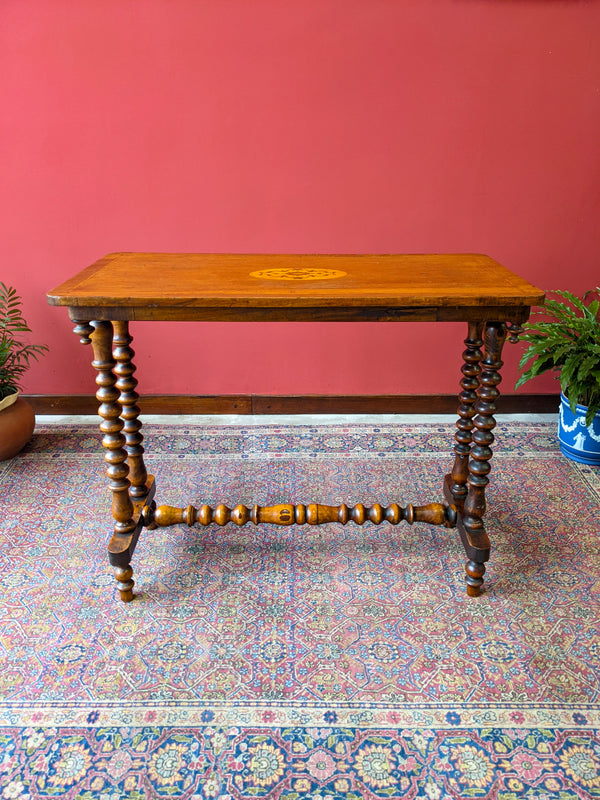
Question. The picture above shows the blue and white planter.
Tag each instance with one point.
(576, 441)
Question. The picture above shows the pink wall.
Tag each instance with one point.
(304, 126)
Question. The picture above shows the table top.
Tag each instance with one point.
(310, 287)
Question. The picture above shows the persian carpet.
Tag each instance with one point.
(333, 662)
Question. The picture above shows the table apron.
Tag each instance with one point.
(183, 313)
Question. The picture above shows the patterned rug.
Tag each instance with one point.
(332, 663)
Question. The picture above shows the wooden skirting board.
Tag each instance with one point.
(294, 404)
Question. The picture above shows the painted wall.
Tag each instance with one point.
(298, 126)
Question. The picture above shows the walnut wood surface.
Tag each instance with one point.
(352, 287)
(301, 514)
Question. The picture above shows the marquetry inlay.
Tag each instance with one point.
(300, 274)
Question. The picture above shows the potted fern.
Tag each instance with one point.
(17, 419)
(564, 336)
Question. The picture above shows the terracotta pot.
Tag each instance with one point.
(16, 428)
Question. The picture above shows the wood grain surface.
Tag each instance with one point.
(175, 285)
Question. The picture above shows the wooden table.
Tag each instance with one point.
(120, 287)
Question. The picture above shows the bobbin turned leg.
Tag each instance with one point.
(470, 521)
(142, 484)
(128, 524)
(455, 483)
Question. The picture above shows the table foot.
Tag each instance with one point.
(120, 552)
(122, 545)
(477, 547)
(475, 572)
(125, 583)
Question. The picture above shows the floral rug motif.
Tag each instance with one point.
(332, 662)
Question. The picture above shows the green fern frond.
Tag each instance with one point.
(15, 356)
(564, 336)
